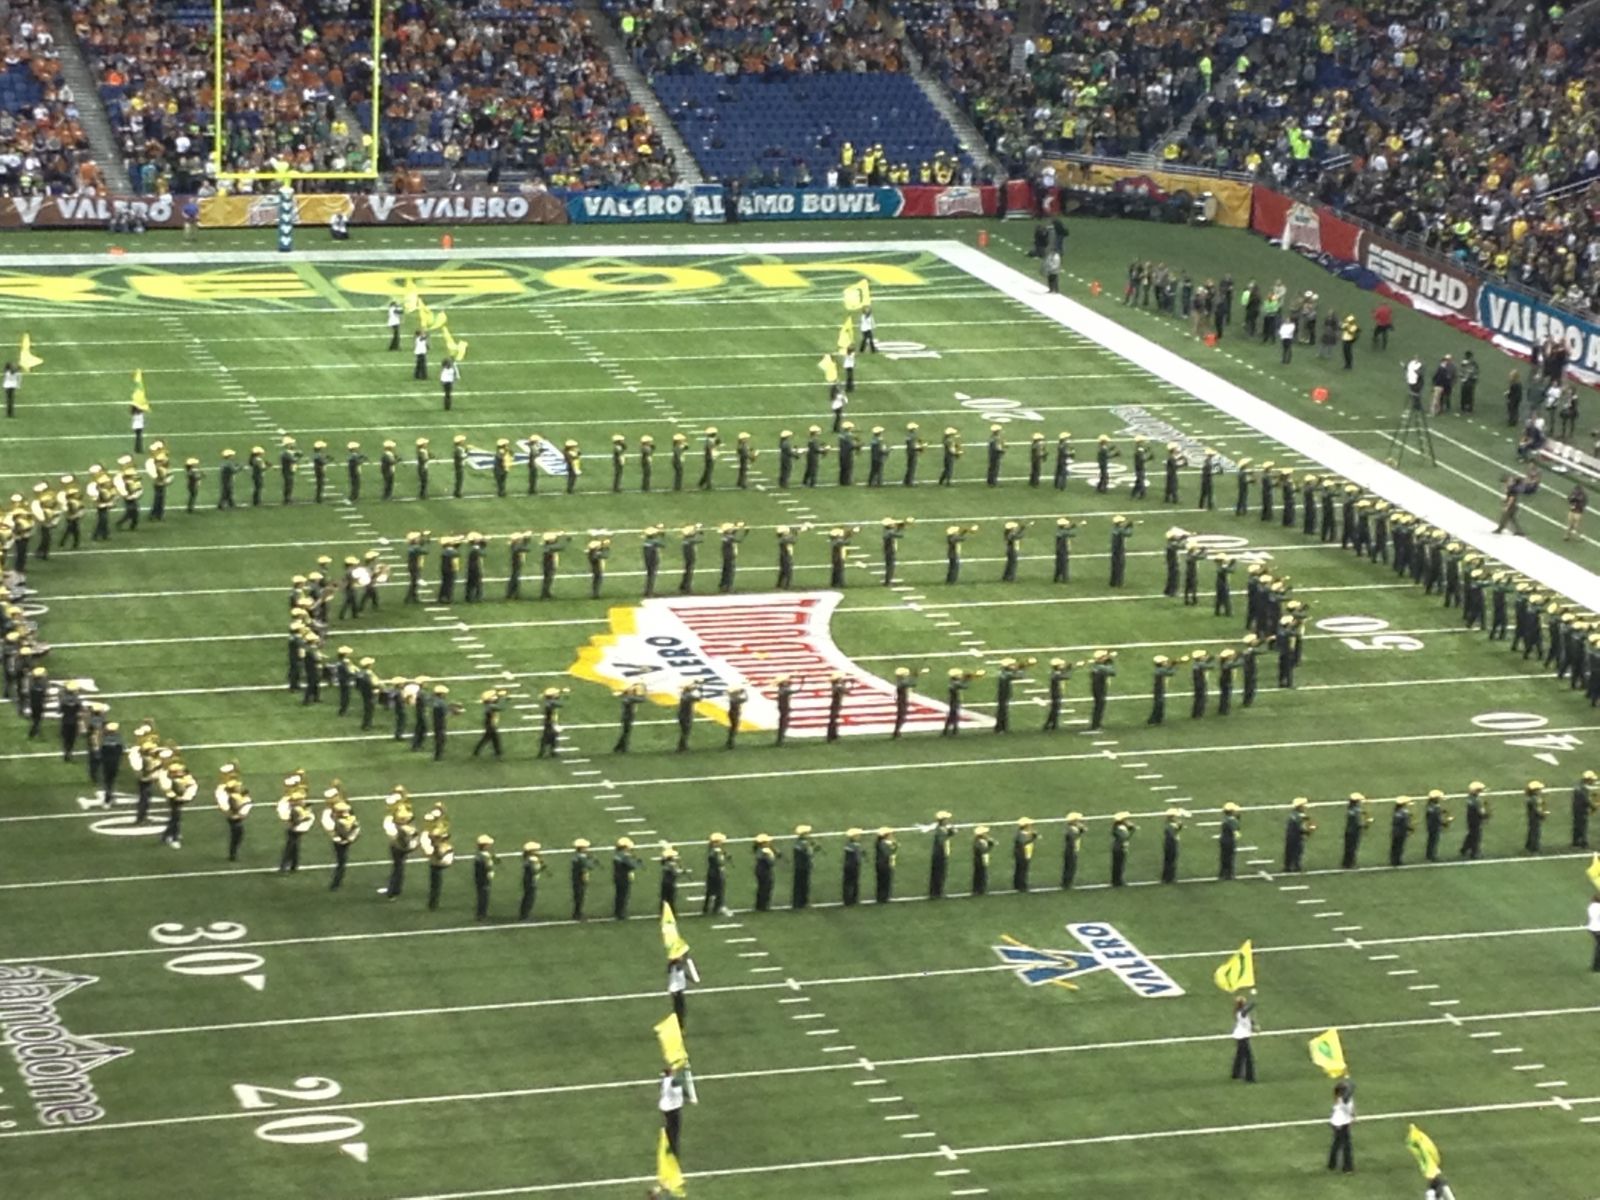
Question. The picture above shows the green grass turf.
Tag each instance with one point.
(505, 1056)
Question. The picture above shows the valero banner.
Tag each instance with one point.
(454, 208)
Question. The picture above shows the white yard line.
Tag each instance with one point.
(880, 768)
(928, 976)
(278, 588)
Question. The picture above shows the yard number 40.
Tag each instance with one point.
(306, 1128)
(1525, 723)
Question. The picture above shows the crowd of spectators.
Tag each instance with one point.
(1470, 131)
(286, 70)
(1103, 78)
(518, 84)
(522, 84)
(42, 144)
(758, 37)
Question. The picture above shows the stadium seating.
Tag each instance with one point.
(760, 129)
(756, 37)
(769, 92)
(39, 133)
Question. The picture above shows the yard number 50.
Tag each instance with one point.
(1351, 631)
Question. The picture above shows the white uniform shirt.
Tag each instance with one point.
(1344, 1112)
(671, 1094)
(12, 380)
(1286, 330)
(394, 316)
(419, 344)
(677, 978)
(1594, 916)
(447, 374)
(866, 322)
(1244, 1025)
(849, 360)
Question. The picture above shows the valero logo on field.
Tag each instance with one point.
(1104, 949)
(721, 642)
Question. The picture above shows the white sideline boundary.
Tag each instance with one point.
(1545, 566)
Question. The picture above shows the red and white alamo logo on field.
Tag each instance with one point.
(745, 641)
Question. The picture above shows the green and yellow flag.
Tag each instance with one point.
(1239, 971)
(139, 400)
(1327, 1052)
(1423, 1150)
(857, 296)
(670, 1035)
(669, 1173)
(434, 321)
(847, 335)
(1593, 872)
(413, 298)
(26, 358)
(670, 938)
(455, 349)
(830, 369)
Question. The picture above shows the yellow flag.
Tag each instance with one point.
(26, 358)
(670, 938)
(830, 369)
(858, 295)
(1422, 1149)
(1327, 1052)
(847, 335)
(670, 1036)
(413, 299)
(1239, 971)
(139, 399)
(1594, 872)
(669, 1174)
(456, 349)
(437, 322)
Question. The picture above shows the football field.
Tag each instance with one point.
(225, 1028)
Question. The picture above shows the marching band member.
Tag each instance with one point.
(233, 801)
(297, 820)
(343, 830)
(181, 788)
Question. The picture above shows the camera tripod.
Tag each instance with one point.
(1413, 426)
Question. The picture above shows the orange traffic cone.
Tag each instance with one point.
(447, 242)
(1094, 288)
(1319, 395)
(983, 237)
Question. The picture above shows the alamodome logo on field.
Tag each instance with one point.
(1104, 949)
(745, 641)
(54, 1062)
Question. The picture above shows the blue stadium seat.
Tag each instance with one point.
(731, 125)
